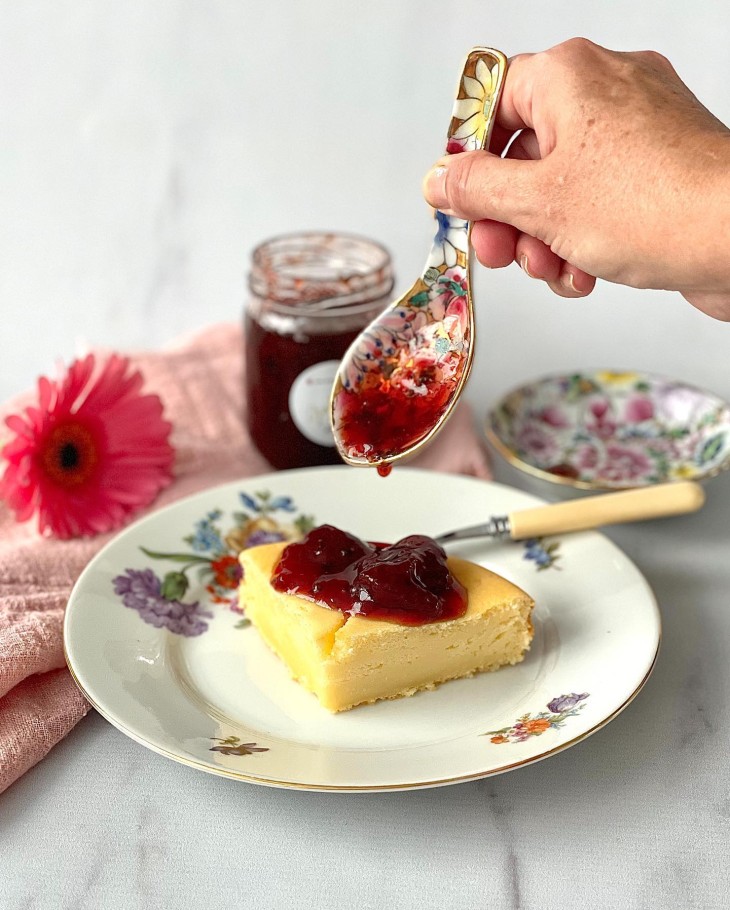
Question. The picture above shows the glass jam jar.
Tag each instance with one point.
(311, 294)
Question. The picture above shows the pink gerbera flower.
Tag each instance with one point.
(90, 454)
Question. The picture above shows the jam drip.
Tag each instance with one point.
(407, 582)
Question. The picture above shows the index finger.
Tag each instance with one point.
(515, 110)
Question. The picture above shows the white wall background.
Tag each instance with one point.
(147, 146)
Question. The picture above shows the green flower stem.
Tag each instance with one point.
(189, 558)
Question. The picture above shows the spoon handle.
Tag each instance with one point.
(609, 508)
(477, 98)
(470, 128)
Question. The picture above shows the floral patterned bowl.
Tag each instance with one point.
(612, 430)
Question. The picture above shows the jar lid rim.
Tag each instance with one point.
(320, 271)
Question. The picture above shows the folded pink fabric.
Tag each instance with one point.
(200, 381)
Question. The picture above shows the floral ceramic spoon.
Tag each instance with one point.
(402, 376)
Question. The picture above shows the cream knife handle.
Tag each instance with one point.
(607, 509)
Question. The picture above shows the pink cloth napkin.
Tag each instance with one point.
(200, 382)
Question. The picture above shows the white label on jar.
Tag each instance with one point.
(309, 401)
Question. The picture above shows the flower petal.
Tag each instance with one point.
(483, 75)
(436, 256)
(132, 461)
(16, 423)
(467, 107)
(459, 239)
(71, 388)
(46, 393)
(470, 127)
(473, 88)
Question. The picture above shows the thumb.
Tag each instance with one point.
(479, 185)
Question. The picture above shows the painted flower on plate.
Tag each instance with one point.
(261, 536)
(586, 458)
(214, 560)
(93, 451)
(678, 405)
(558, 711)
(473, 109)
(683, 472)
(613, 377)
(206, 537)
(539, 445)
(624, 463)
(227, 572)
(566, 702)
(537, 726)
(554, 416)
(600, 421)
(232, 745)
(143, 591)
(638, 409)
(544, 555)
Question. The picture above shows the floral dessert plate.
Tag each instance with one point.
(154, 639)
(610, 430)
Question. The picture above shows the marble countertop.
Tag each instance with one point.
(637, 816)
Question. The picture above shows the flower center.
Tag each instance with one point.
(70, 455)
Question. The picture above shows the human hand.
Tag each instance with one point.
(618, 172)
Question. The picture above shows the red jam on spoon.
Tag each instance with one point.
(407, 582)
(389, 416)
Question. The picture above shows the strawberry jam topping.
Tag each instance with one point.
(407, 582)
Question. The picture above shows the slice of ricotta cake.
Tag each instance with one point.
(351, 660)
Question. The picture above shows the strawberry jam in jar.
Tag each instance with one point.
(311, 295)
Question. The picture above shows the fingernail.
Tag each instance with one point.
(567, 279)
(434, 187)
(524, 265)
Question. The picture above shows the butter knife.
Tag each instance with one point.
(659, 501)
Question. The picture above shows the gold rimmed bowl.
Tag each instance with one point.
(611, 430)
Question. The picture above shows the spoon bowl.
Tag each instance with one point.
(402, 376)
